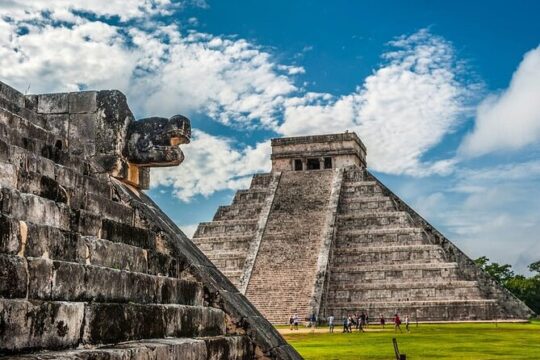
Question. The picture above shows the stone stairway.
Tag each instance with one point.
(384, 262)
(227, 238)
(284, 272)
(89, 267)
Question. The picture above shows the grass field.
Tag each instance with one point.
(474, 341)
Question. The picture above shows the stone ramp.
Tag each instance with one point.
(284, 272)
(87, 261)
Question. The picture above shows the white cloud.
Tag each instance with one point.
(510, 120)
(161, 70)
(401, 111)
(66, 10)
(213, 164)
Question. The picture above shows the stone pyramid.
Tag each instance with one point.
(90, 268)
(320, 234)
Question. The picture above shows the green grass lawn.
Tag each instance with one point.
(427, 341)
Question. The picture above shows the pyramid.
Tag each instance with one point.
(321, 235)
(90, 267)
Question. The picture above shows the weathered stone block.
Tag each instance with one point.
(228, 347)
(127, 234)
(82, 102)
(39, 325)
(115, 255)
(53, 103)
(10, 235)
(40, 276)
(13, 276)
(8, 175)
(85, 223)
(111, 323)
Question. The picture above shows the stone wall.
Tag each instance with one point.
(90, 267)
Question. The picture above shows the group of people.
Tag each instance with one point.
(361, 321)
(356, 321)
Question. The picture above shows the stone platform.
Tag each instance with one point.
(90, 267)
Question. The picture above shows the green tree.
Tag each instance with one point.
(525, 288)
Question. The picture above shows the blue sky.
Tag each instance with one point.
(444, 94)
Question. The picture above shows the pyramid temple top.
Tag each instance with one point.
(318, 152)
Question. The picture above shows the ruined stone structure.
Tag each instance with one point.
(320, 234)
(90, 268)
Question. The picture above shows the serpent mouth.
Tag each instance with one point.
(155, 142)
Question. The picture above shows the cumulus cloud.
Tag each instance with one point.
(511, 119)
(400, 111)
(161, 69)
(212, 164)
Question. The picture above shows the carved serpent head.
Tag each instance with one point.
(155, 141)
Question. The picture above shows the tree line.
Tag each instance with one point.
(525, 288)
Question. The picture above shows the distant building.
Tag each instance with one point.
(320, 234)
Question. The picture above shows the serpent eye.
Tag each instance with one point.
(144, 144)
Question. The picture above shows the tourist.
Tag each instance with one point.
(291, 320)
(350, 323)
(345, 324)
(331, 323)
(295, 321)
(313, 321)
(382, 320)
(367, 319)
(407, 323)
(362, 320)
(397, 323)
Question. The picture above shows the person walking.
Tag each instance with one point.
(291, 322)
(407, 321)
(382, 320)
(397, 323)
(331, 323)
(295, 321)
(345, 324)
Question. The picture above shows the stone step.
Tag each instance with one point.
(223, 255)
(394, 272)
(404, 284)
(386, 249)
(127, 233)
(73, 176)
(43, 154)
(221, 238)
(261, 181)
(366, 203)
(374, 220)
(35, 209)
(33, 240)
(227, 245)
(68, 281)
(62, 324)
(238, 212)
(381, 236)
(229, 227)
(251, 196)
(428, 293)
(215, 347)
(389, 254)
(434, 310)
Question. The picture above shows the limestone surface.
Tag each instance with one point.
(90, 267)
(333, 240)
